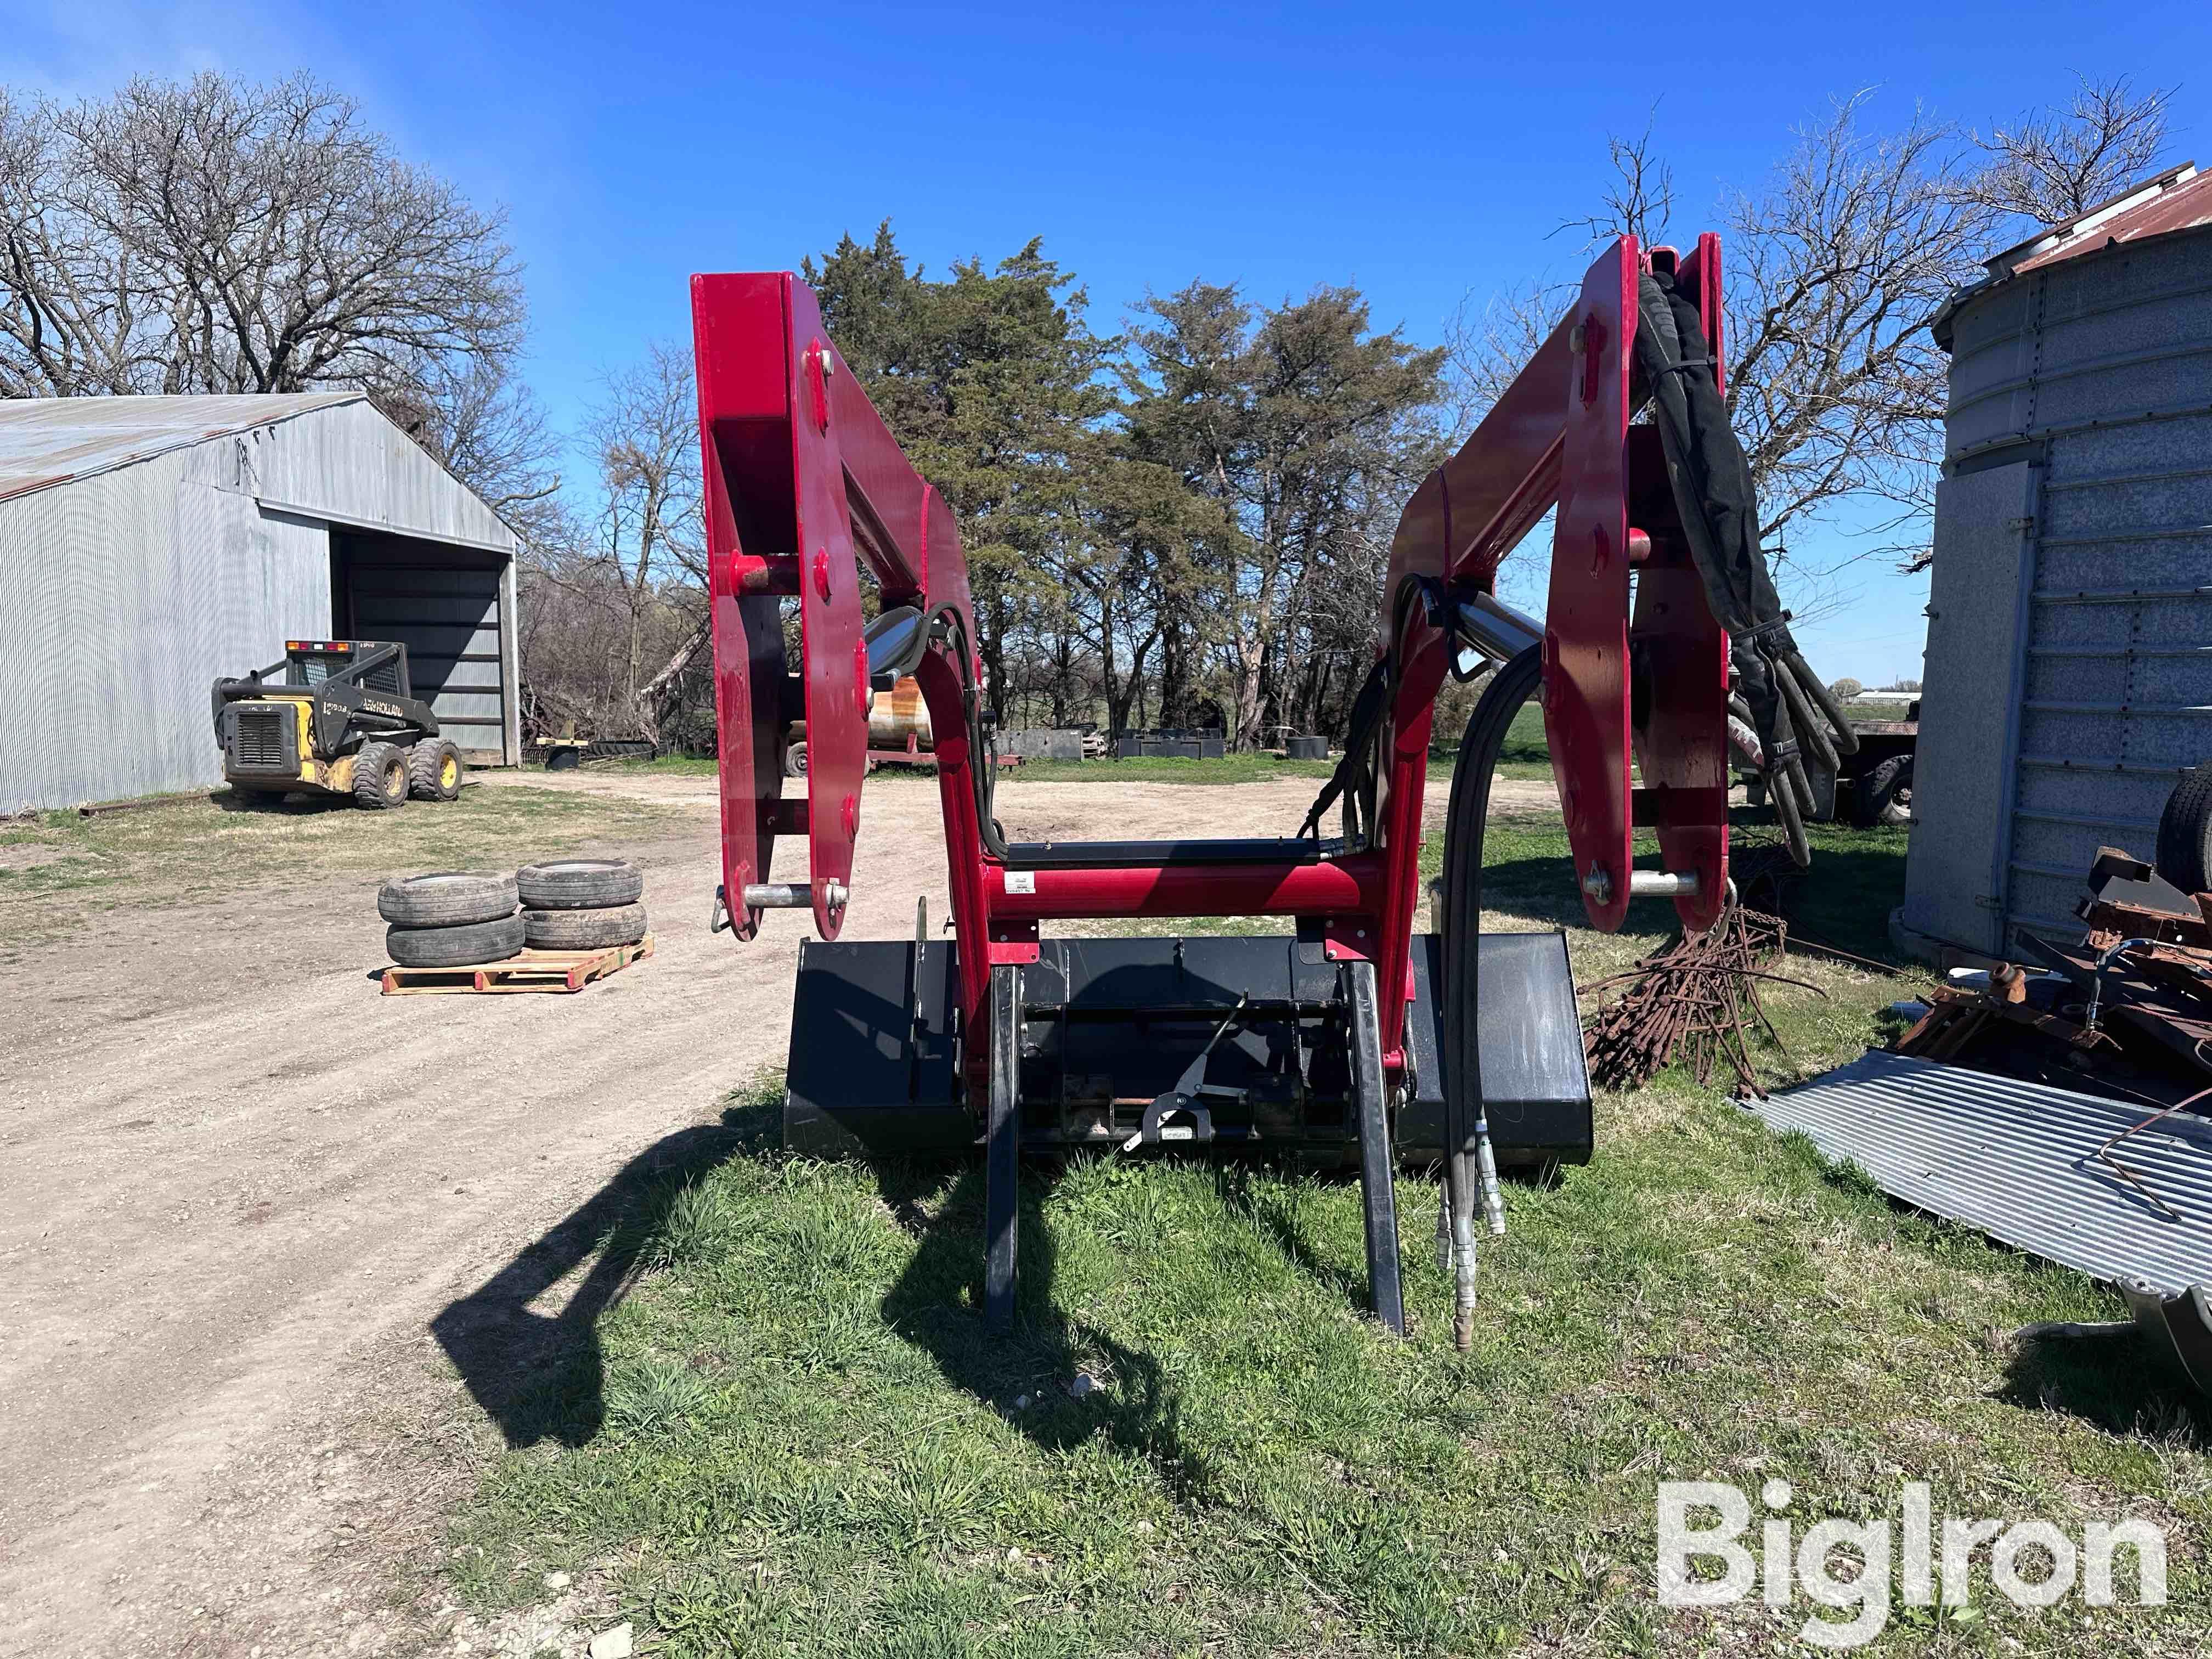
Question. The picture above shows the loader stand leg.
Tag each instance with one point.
(1377, 1190)
(1002, 1151)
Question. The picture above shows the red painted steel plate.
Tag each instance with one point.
(738, 332)
(829, 611)
(1684, 743)
(1586, 627)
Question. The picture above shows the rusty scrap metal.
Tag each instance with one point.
(2104, 1153)
(1695, 997)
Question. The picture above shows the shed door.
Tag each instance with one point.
(443, 604)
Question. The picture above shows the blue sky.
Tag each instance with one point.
(1423, 152)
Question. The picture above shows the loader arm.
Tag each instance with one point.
(1334, 1041)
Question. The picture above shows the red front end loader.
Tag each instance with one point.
(1354, 1036)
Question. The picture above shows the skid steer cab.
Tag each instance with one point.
(334, 717)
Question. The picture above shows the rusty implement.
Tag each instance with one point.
(1352, 1037)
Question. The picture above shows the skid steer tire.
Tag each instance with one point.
(380, 777)
(455, 947)
(435, 770)
(584, 930)
(2185, 832)
(580, 884)
(448, 898)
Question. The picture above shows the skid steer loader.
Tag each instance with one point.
(334, 717)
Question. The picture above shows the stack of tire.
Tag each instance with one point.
(455, 919)
(581, 904)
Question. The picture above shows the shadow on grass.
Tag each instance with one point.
(538, 1375)
(2119, 1379)
(935, 1306)
(1264, 1208)
(270, 801)
(542, 1376)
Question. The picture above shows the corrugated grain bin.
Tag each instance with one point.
(2069, 678)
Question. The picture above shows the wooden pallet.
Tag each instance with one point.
(533, 970)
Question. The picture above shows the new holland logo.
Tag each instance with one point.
(391, 709)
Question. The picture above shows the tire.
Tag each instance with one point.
(446, 899)
(455, 947)
(2185, 832)
(580, 885)
(1884, 796)
(380, 777)
(435, 770)
(794, 761)
(584, 930)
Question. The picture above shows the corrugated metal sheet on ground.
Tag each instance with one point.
(2017, 1160)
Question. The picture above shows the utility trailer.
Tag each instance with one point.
(1355, 1037)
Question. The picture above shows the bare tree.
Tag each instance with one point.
(645, 535)
(1835, 385)
(1834, 266)
(490, 431)
(218, 236)
(2050, 165)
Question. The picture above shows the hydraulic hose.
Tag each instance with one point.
(1794, 713)
(1469, 1168)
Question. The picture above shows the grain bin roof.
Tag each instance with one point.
(51, 440)
(2178, 199)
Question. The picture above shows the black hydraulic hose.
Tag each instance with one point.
(982, 751)
(1460, 921)
(1714, 496)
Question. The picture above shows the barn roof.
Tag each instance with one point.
(49, 440)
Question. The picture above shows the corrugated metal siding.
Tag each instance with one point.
(2017, 1161)
(124, 593)
(142, 587)
(2090, 378)
(352, 466)
(1976, 591)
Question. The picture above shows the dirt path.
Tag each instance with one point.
(235, 1176)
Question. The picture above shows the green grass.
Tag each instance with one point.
(676, 766)
(1524, 756)
(59, 872)
(1229, 768)
(792, 1438)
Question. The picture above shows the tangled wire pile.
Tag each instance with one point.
(1697, 991)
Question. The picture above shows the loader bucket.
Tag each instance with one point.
(1110, 1027)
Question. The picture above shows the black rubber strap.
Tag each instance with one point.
(1352, 765)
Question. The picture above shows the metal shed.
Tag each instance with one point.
(147, 544)
(2068, 676)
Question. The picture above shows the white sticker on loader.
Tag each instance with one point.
(1021, 881)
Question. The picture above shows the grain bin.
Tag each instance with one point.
(2068, 677)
